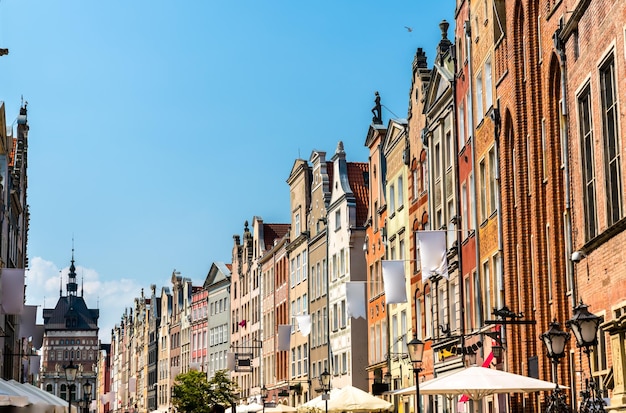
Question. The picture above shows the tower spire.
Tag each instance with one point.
(72, 286)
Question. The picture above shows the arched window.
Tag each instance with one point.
(49, 388)
(63, 394)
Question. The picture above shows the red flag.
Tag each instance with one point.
(242, 323)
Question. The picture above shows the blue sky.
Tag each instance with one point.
(157, 128)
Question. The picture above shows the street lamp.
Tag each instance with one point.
(70, 376)
(416, 353)
(585, 326)
(87, 394)
(263, 396)
(555, 340)
(325, 385)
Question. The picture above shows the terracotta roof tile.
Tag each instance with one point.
(273, 232)
(358, 176)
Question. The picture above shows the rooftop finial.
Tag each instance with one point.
(444, 43)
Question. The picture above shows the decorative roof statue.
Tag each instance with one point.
(377, 111)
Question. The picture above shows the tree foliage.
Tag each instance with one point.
(193, 393)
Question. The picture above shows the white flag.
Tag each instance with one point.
(28, 320)
(395, 282)
(230, 361)
(355, 298)
(433, 252)
(304, 324)
(12, 290)
(284, 337)
(35, 362)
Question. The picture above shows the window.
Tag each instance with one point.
(544, 148)
(298, 268)
(394, 334)
(464, 213)
(478, 311)
(483, 189)
(418, 318)
(449, 150)
(392, 199)
(453, 309)
(342, 315)
(488, 86)
(441, 307)
(612, 169)
(342, 262)
(479, 96)
(415, 178)
(437, 162)
(529, 175)
(400, 192)
(587, 164)
(487, 289)
(335, 317)
(324, 283)
(297, 224)
(337, 219)
(428, 314)
(492, 180)
(548, 263)
(304, 265)
(424, 173)
(462, 132)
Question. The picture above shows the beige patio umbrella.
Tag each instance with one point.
(315, 404)
(280, 408)
(478, 382)
(247, 408)
(13, 400)
(353, 399)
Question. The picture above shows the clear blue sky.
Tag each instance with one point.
(157, 128)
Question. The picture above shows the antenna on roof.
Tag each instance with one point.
(60, 283)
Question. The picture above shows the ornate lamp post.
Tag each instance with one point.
(585, 326)
(70, 376)
(416, 353)
(263, 396)
(325, 385)
(555, 340)
(87, 394)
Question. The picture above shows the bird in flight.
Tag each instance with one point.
(409, 29)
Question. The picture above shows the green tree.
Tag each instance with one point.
(223, 391)
(193, 393)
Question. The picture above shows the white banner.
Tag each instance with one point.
(284, 337)
(355, 299)
(395, 282)
(433, 252)
(304, 324)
